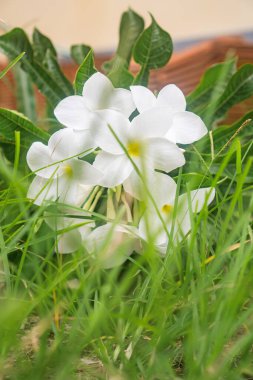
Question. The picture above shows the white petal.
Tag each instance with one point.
(85, 229)
(104, 137)
(66, 143)
(74, 113)
(172, 97)
(100, 94)
(198, 199)
(182, 227)
(186, 128)
(162, 248)
(67, 191)
(83, 192)
(85, 173)
(151, 228)
(42, 189)
(144, 99)
(111, 245)
(116, 168)
(38, 156)
(96, 91)
(121, 100)
(69, 242)
(163, 189)
(152, 123)
(133, 185)
(58, 189)
(164, 155)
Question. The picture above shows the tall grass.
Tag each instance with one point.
(187, 315)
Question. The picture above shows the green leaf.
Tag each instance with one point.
(11, 64)
(41, 44)
(15, 42)
(11, 121)
(86, 69)
(121, 77)
(211, 86)
(25, 96)
(45, 53)
(152, 50)
(54, 69)
(79, 52)
(131, 25)
(239, 88)
(45, 82)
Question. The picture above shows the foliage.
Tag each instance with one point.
(187, 315)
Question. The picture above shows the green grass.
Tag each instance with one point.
(188, 315)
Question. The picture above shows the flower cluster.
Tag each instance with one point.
(130, 139)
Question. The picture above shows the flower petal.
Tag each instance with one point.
(133, 185)
(111, 245)
(162, 248)
(152, 229)
(151, 123)
(59, 189)
(163, 189)
(172, 97)
(186, 128)
(144, 99)
(116, 168)
(104, 137)
(38, 156)
(67, 191)
(69, 242)
(42, 189)
(85, 173)
(199, 198)
(66, 143)
(100, 94)
(164, 155)
(74, 113)
(83, 192)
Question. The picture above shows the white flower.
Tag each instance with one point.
(143, 142)
(111, 245)
(59, 175)
(164, 194)
(186, 126)
(80, 112)
(70, 241)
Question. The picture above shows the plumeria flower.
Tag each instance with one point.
(79, 228)
(139, 144)
(80, 112)
(164, 194)
(111, 245)
(186, 126)
(61, 175)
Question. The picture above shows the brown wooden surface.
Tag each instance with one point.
(184, 69)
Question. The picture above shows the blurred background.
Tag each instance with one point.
(96, 22)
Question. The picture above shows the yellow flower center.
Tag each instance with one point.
(134, 148)
(166, 209)
(68, 170)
